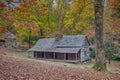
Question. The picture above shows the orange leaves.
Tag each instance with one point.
(114, 3)
(113, 26)
(89, 32)
(2, 5)
(2, 29)
(78, 29)
(114, 6)
(24, 27)
(22, 8)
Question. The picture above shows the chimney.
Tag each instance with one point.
(58, 37)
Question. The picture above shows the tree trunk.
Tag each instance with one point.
(29, 41)
(100, 63)
(41, 32)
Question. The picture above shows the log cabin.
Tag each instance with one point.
(73, 48)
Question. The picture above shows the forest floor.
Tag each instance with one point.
(16, 65)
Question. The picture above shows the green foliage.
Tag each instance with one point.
(100, 67)
(92, 53)
(34, 39)
(111, 52)
(115, 58)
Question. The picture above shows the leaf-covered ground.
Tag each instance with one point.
(15, 68)
(12, 68)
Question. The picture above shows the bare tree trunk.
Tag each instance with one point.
(29, 39)
(100, 63)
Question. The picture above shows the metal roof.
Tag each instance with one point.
(58, 50)
(67, 44)
(70, 41)
(45, 43)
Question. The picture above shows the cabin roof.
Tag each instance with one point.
(70, 41)
(67, 44)
(44, 43)
(58, 50)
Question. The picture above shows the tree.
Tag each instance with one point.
(115, 6)
(100, 63)
(79, 16)
(112, 28)
(5, 24)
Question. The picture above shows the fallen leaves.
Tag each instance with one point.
(12, 68)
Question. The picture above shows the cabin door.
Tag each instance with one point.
(66, 56)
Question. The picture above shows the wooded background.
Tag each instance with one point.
(30, 20)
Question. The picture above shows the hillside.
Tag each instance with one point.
(12, 68)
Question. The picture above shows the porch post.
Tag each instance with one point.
(36, 54)
(64, 56)
(44, 55)
(76, 57)
(54, 55)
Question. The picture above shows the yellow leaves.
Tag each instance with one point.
(78, 28)
(47, 31)
(68, 22)
(20, 5)
(80, 16)
(79, 4)
(15, 24)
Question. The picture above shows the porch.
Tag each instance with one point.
(64, 57)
